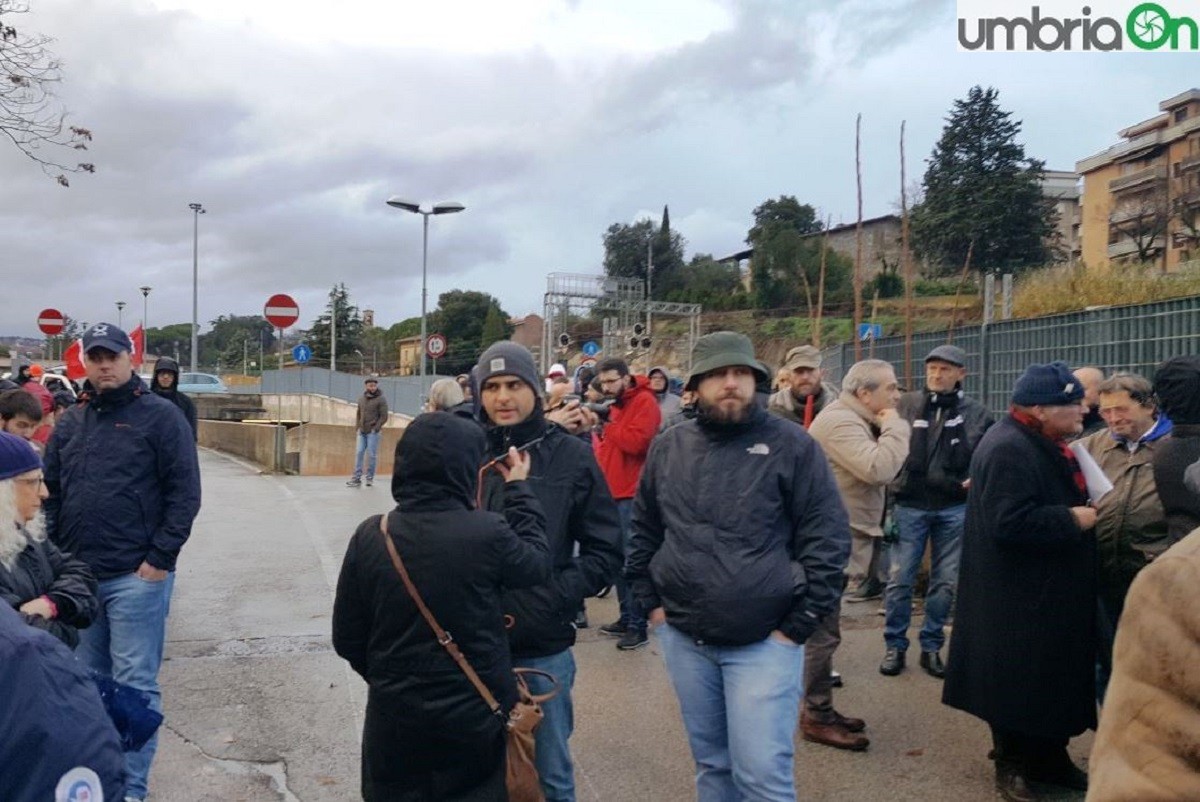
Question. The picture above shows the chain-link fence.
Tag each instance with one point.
(1133, 338)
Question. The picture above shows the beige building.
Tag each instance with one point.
(1141, 196)
(410, 355)
(1062, 186)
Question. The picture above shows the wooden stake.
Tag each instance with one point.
(858, 239)
(821, 284)
(906, 266)
(958, 293)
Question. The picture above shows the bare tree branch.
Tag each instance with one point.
(31, 115)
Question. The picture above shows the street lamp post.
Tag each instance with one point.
(145, 329)
(120, 314)
(445, 207)
(197, 210)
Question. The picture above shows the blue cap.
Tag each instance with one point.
(1047, 386)
(108, 337)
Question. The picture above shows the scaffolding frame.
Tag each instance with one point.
(619, 303)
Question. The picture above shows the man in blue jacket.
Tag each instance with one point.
(124, 486)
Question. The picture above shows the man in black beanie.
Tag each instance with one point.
(583, 532)
(1024, 648)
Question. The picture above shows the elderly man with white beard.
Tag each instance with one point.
(50, 589)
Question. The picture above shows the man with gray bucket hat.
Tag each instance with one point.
(739, 541)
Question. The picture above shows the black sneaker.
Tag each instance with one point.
(370, 482)
(632, 639)
(354, 483)
(614, 630)
(893, 662)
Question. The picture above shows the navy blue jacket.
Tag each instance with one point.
(53, 722)
(124, 480)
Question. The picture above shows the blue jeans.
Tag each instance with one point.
(740, 706)
(368, 443)
(632, 614)
(126, 642)
(943, 529)
(553, 756)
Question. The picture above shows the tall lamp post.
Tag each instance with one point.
(145, 305)
(445, 207)
(120, 314)
(197, 210)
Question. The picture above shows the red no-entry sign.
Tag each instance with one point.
(50, 321)
(281, 311)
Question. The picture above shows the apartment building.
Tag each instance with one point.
(1141, 196)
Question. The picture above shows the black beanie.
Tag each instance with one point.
(507, 358)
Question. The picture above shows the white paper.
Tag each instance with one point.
(1097, 483)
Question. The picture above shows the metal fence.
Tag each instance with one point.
(403, 393)
(1133, 338)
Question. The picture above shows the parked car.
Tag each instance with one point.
(201, 383)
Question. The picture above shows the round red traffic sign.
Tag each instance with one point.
(435, 346)
(51, 321)
(281, 311)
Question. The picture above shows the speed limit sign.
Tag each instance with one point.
(435, 346)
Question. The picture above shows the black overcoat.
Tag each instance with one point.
(1023, 651)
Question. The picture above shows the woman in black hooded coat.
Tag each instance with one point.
(428, 734)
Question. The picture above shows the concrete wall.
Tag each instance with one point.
(319, 409)
(327, 450)
(253, 441)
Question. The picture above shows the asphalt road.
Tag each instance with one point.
(258, 707)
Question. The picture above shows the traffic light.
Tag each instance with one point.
(646, 342)
(564, 339)
(639, 329)
(633, 342)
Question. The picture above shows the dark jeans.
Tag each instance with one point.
(942, 529)
(632, 614)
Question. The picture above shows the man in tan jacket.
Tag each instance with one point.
(866, 443)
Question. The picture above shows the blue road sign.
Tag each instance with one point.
(590, 348)
(870, 331)
(301, 353)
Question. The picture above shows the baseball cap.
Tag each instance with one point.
(802, 356)
(108, 337)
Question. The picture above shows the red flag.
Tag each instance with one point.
(74, 359)
(138, 338)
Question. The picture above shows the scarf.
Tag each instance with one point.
(1035, 425)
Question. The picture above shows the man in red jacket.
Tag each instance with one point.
(633, 421)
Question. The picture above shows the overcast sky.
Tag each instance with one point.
(293, 122)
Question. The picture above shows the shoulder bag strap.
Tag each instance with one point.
(443, 637)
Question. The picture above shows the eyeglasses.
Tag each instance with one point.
(41, 480)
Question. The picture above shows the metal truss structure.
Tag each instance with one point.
(618, 304)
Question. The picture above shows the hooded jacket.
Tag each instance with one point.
(583, 531)
(53, 721)
(669, 404)
(42, 570)
(372, 412)
(124, 480)
(625, 442)
(1177, 386)
(459, 558)
(738, 531)
(172, 394)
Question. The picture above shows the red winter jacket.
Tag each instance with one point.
(632, 424)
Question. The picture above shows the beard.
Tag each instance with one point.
(14, 538)
(723, 412)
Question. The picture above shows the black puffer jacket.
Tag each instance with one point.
(579, 510)
(42, 570)
(1177, 385)
(171, 392)
(738, 531)
(459, 559)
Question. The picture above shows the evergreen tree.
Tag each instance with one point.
(626, 247)
(349, 327)
(493, 327)
(981, 188)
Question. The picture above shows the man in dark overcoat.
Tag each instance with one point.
(1022, 657)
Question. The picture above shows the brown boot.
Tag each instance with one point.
(849, 723)
(1012, 783)
(832, 734)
